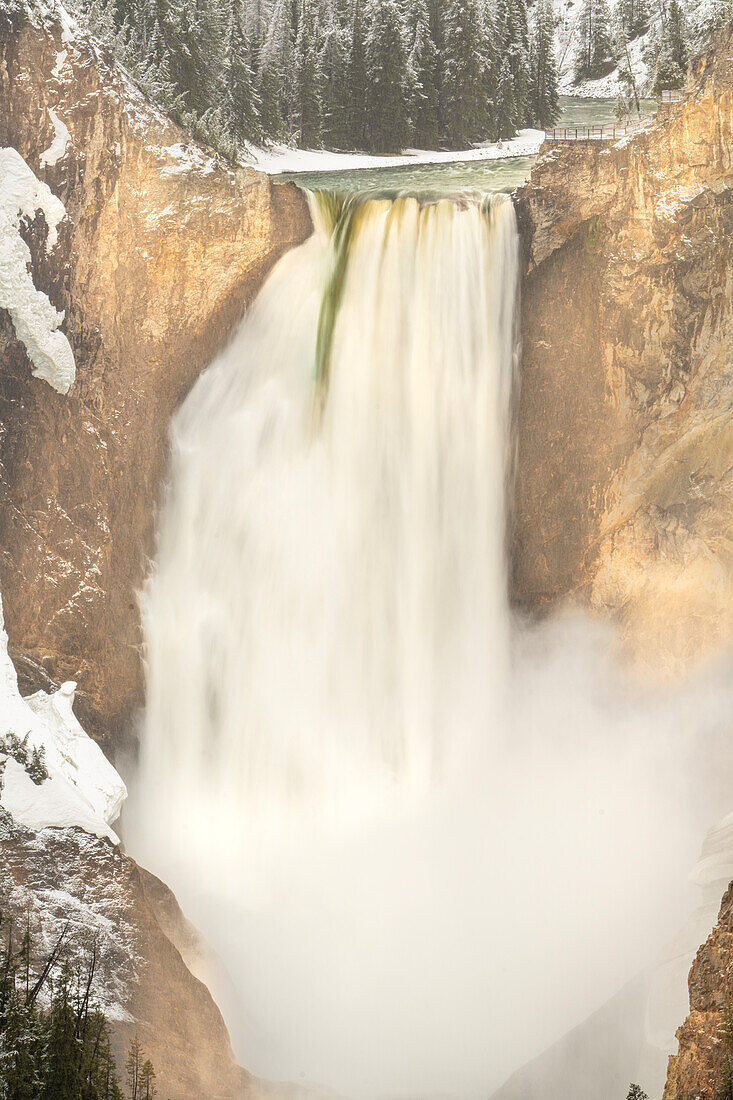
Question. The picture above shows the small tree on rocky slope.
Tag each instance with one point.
(636, 1092)
(54, 1044)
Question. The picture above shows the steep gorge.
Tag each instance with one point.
(625, 453)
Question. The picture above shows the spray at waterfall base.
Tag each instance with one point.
(426, 841)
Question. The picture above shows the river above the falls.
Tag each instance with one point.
(487, 176)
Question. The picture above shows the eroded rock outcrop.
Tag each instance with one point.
(624, 489)
(65, 876)
(162, 250)
(703, 1068)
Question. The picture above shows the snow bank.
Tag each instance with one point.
(55, 804)
(57, 149)
(83, 789)
(281, 158)
(36, 321)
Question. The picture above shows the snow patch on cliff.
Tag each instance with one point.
(57, 149)
(83, 789)
(36, 321)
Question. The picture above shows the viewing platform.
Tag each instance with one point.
(607, 131)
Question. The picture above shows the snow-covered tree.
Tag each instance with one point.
(386, 67)
(335, 38)
(594, 56)
(636, 1092)
(376, 75)
(464, 107)
(275, 70)
(673, 51)
(513, 48)
(308, 84)
(543, 103)
(242, 100)
(356, 80)
(633, 17)
(422, 76)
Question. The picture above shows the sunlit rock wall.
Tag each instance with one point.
(624, 486)
(161, 253)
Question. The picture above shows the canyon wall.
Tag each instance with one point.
(64, 877)
(703, 1067)
(162, 250)
(624, 487)
(624, 474)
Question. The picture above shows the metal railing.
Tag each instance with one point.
(673, 95)
(608, 131)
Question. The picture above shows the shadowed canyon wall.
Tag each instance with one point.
(162, 250)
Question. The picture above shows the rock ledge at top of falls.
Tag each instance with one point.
(160, 253)
(624, 477)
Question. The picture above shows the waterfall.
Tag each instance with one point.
(327, 621)
(426, 841)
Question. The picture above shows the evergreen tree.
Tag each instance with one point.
(308, 79)
(675, 35)
(61, 1053)
(242, 101)
(513, 49)
(356, 107)
(133, 1067)
(15, 12)
(335, 56)
(673, 53)
(423, 92)
(386, 65)
(147, 1081)
(594, 56)
(633, 17)
(543, 102)
(506, 120)
(63, 1077)
(367, 74)
(276, 67)
(465, 61)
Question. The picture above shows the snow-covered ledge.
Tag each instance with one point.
(36, 321)
(80, 788)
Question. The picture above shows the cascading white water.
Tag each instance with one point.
(329, 777)
(326, 625)
(327, 622)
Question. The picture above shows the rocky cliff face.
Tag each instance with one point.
(143, 984)
(161, 252)
(703, 1068)
(625, 464)
(624, 488)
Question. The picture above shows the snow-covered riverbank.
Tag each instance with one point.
(281, 158)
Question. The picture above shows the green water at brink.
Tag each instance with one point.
(456, 177)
